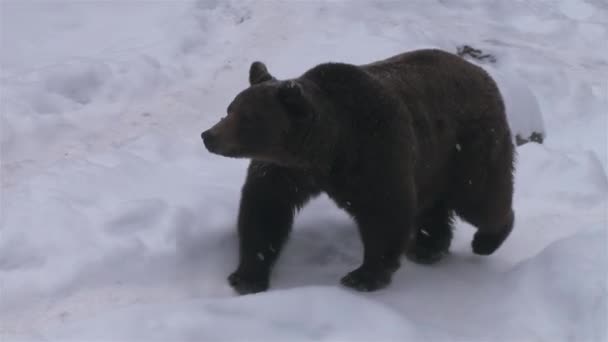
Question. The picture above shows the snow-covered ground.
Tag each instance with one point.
(116, 224)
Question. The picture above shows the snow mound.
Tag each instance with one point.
(304, 314)
(559, 292)
(522, 108)
(564, 286)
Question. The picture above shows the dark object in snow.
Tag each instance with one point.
(534, 137)
(468, 51)
(401, 144)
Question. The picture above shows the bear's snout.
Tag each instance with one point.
(210, 140)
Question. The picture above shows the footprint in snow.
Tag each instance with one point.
(133, 216)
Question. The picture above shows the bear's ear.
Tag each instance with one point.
(292, 96)
(258, 73)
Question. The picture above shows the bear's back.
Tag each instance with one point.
(439, 84)
(456, 110)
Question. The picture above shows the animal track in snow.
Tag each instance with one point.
(78, 82)
(138, 215)
(15, 254)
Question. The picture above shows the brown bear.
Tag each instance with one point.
(401, 144)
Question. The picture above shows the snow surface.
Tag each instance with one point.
(118, 225)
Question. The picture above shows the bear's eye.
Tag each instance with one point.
(250, 116)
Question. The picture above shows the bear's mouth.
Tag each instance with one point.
(231, 153)
(227, 151)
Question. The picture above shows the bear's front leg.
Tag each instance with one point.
(270, 197)
(385, 221)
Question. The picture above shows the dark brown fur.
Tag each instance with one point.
(401, 144)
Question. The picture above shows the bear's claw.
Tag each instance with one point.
(425, 256)
(247, 285)
(365, 280)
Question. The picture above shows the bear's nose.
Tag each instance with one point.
(209, 139)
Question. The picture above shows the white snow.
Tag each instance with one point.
(524, 113)
(116, 224)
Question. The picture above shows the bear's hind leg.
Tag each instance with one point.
(487, 239)
(484, 199)
(433, 235)
(482, 190)
(488, 208)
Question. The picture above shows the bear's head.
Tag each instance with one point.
(268, 121)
